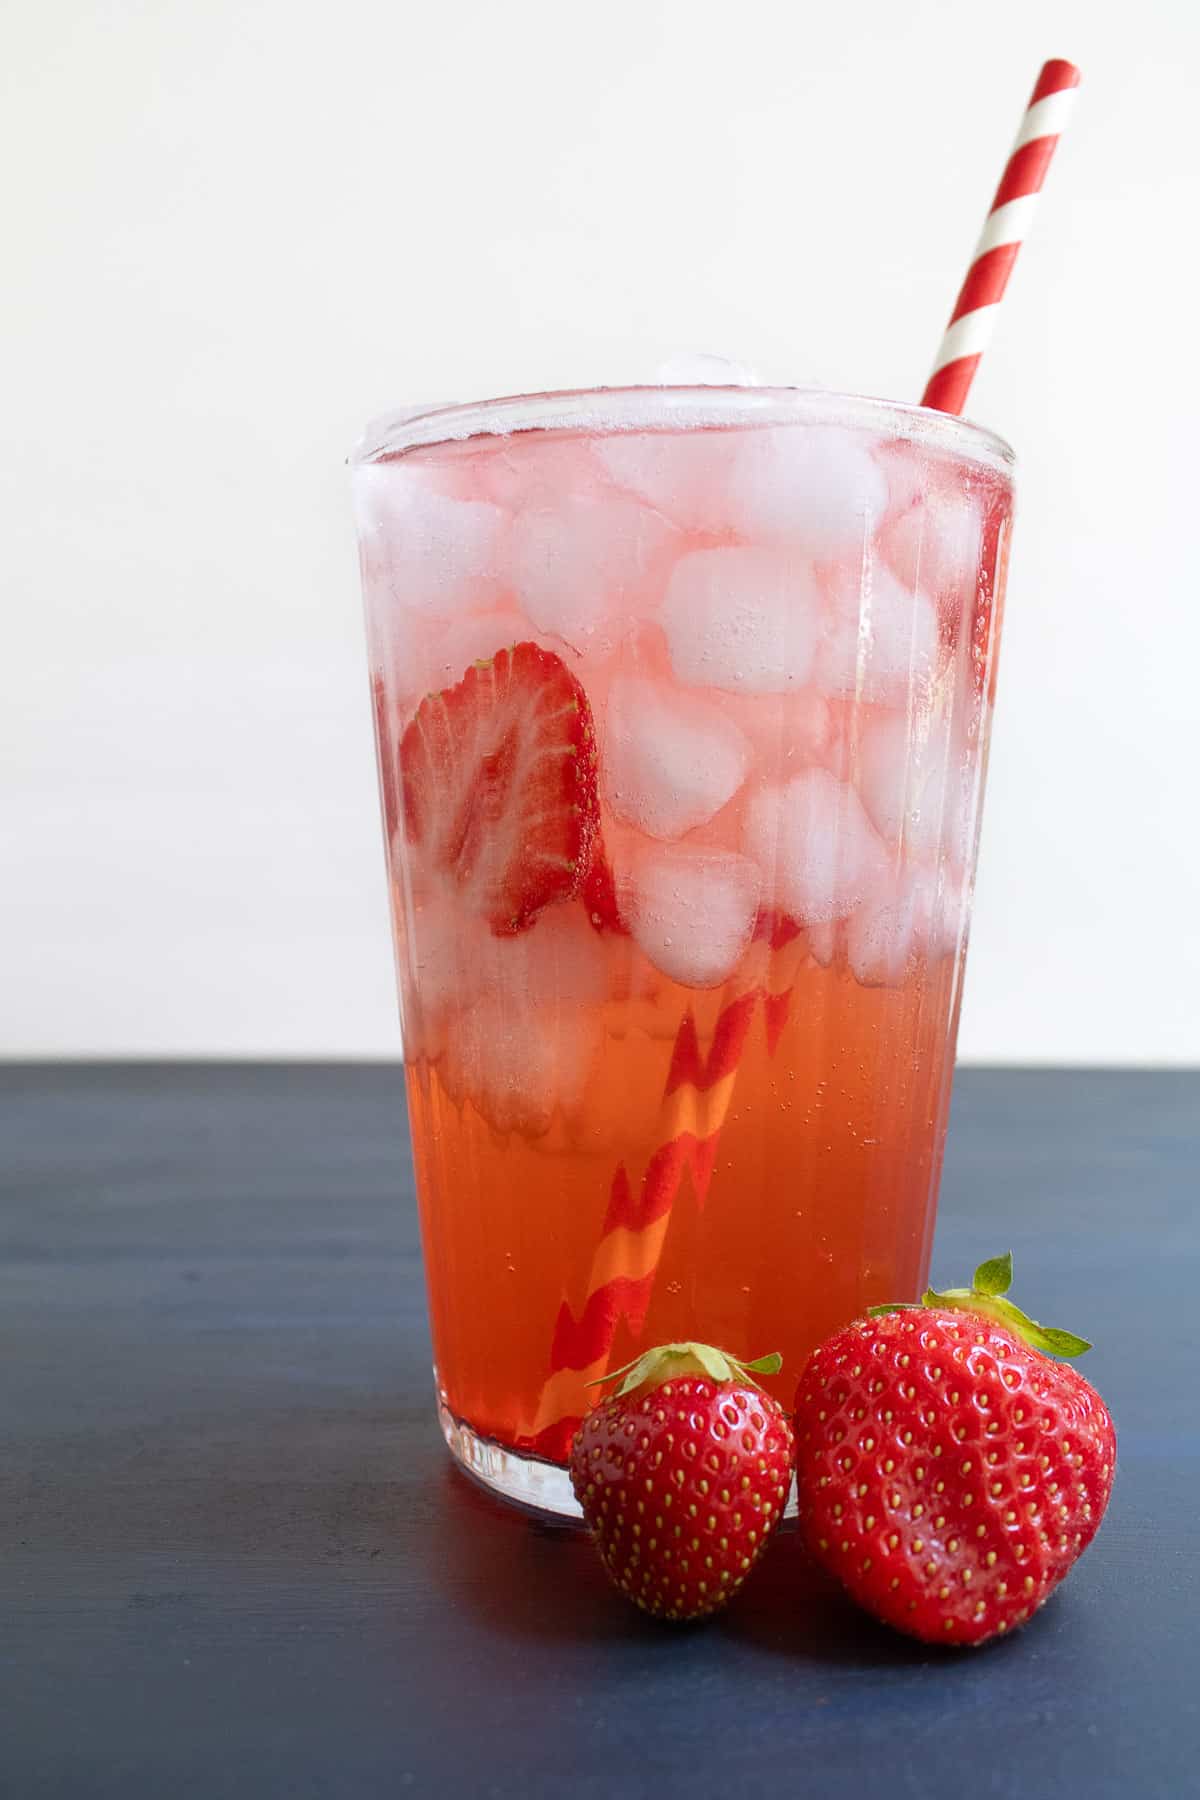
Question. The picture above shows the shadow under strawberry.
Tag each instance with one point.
(538, 1582)
(794, 1610)
(524, 1579)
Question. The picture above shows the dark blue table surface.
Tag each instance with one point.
(234, 1560)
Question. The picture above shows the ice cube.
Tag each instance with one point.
(560, 962)
(890, 931)
(935, 545)
(515, 1021)
(424, 549)
(692, 911)
(912, 916)
(535, 469)
(786, 731)
(520, 1065)
(812, 839)
(582, 565)
(822, 942)
(902, 777)
(683, 475)
(744, 619)
(440, 976)
(882, 640)
(430, 655)
(815, 487)
(671, 760)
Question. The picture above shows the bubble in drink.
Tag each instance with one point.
(692, 911)
(743, 618)
(671, 759)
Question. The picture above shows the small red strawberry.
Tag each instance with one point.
(949, 1473)
(682, 1476)
(498, 781)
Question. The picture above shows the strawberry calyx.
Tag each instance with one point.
(987, 1296)
(668, 1362)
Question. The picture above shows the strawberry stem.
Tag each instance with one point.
(655, 1366)
(987, 1297)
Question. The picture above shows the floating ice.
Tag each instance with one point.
(936, 546)
(518, 1065)
(533, 469)
(822, 942)
(911, 917)
(886, 934)
(815, 487)
(430, 655)
(902, 777)
(514, 1021)
(681, 474)
(883, 638)
(560, 961)
(816, 846)
(787, 731)
(441, 978)
(428, 551)
(692, 911)
(671, 760)
(580, 563)
(744, 619)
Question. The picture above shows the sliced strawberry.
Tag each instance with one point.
(499, 785)
(600, 892)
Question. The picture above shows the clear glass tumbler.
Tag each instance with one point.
(682, 700)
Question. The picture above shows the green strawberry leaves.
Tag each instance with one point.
(666, 1360)
(987, 1296)
(994, 1276)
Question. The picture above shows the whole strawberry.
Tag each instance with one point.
(949, 1473)
(682, 1476)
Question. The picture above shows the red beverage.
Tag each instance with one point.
(682, 701)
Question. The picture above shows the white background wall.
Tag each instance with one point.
(235, 229)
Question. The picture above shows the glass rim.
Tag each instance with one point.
(627, 409)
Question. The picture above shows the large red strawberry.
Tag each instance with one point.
(949, 1472)
(498, 781)
(682, 1476)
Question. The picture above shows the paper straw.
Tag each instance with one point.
(697, 1096)
(625, 1262)
(1005, 229)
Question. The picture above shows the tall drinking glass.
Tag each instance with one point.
(682, 699)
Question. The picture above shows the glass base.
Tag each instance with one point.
(536, 1487)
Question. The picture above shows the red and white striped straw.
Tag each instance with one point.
(1005, 228)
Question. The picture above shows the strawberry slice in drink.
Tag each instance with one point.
(498, 784)
(600, 892)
